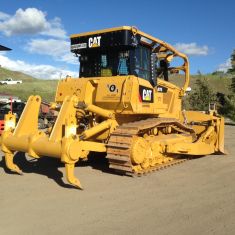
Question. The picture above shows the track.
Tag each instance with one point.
(120, 143)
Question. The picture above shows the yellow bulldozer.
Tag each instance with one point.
(122, 104)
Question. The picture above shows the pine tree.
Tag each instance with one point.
(202, 95)
(232, 69)
(233, 84)
(229, 104)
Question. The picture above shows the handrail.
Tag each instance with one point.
(185, 66)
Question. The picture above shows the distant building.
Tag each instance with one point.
(2, 48)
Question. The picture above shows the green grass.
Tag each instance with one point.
(30, 86)
(6, 73)
(218, 82)
(45, 88)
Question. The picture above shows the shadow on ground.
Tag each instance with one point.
(49, 167)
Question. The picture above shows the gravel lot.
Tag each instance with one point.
(196, 197)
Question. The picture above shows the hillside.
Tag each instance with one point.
(219, 82)
(30, 86)
(47, 88)
(6, 73)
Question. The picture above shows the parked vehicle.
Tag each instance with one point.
(10, 81)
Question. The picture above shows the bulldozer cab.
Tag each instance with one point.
(114, 53)
(126, 51)
(125, 64)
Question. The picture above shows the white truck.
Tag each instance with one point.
(10, 81)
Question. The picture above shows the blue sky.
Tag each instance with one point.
(38, 31)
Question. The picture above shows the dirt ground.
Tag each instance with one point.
(196, 197)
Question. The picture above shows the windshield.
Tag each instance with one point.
(105, 63)
(117, 62)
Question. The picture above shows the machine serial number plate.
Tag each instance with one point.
(78, 46)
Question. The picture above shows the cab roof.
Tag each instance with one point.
(160, 46)
(102, 31)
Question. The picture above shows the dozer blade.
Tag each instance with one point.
(221, 137)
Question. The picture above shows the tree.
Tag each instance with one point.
(232, 69)
(202, 95)
(233, 84)
(228, 107)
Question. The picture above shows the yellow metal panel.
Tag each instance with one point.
(28, 122)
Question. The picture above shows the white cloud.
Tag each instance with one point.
(192, 48)
(38, 71)
(54, 29)
(57, 48)
(3, 52)
(30, 21)
(3, 16)
(225, 66)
